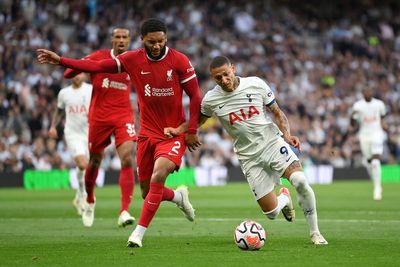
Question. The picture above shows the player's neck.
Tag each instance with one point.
(76, 86)
(236, 82)
(160, 56)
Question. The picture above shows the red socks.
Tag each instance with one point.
(126, 184)
(168, 194)
(90, 183)
(151, 203)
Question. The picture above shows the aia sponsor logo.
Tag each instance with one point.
(243, 115)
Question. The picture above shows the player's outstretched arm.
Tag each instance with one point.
(91, 66)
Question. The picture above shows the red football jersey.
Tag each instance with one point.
(158, 87)
(111, 93)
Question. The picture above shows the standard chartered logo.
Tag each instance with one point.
(147, 90)
(113, 84)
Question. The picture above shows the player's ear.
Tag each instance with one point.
(233, 67)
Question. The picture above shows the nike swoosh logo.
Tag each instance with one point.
(145, 72)
(221, 106)
(288, 158)
(151, 203)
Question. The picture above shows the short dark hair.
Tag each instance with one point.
(152, 25)
(219, 61)
(120, 28)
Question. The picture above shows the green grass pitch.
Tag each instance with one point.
(40, 228)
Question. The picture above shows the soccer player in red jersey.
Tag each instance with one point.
(160, 75)
(110, 114)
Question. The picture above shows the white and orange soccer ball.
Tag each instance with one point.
(249, 235)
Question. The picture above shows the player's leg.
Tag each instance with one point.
(371, 151)
(90, 182)
(174, 149)
(99, 138)
(77, 147)
(262, 181)
(376, 176)
(162, 168)
(81, 164)
(126, 182)
(306, 199)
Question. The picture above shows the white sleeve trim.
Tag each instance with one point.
(118, 65)
(187, 79)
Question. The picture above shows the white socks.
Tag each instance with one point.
(376, 173)
(139, 231)
(80, 175)
(306, 199)
(283, 200)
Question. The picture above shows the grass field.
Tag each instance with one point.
(40, 228)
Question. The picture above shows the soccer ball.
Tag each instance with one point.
(249, 235)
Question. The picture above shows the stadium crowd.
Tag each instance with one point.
(318, 59)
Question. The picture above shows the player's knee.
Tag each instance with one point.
(375, 162)
(95, 162)
(127, 161)
(272, 214)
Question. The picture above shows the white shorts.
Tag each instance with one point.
(263, 172)
(77, 145)
(370, 148)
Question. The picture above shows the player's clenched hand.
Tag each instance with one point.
(171, 132)
(53, 133)
(192, 142)
(293, 141)
(45, 56)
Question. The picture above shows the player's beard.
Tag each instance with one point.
(162, 53)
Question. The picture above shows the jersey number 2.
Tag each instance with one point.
(174, 149)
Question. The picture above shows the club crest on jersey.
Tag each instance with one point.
(169, 75)
(242, 115)
(249, 97)
(106, 83)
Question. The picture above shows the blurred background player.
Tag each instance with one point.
(263, 150)
(110, 114)
(160, 75)
(368, 113)
(74, 100)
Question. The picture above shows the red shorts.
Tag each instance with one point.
(100, 134)
(149, 150)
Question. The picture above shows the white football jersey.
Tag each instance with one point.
(243, 115)
(76, 103)
(368, 115)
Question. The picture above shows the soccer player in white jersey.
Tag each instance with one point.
(262, 147)
(75, 101)
(367, 113)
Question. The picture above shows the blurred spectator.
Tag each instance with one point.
(318, 59)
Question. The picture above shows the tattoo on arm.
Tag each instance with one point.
(280, 119)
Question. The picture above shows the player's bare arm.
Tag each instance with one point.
(283, 124)
(54, 123)
(203, 119)
(90, 66)
(384, 125)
